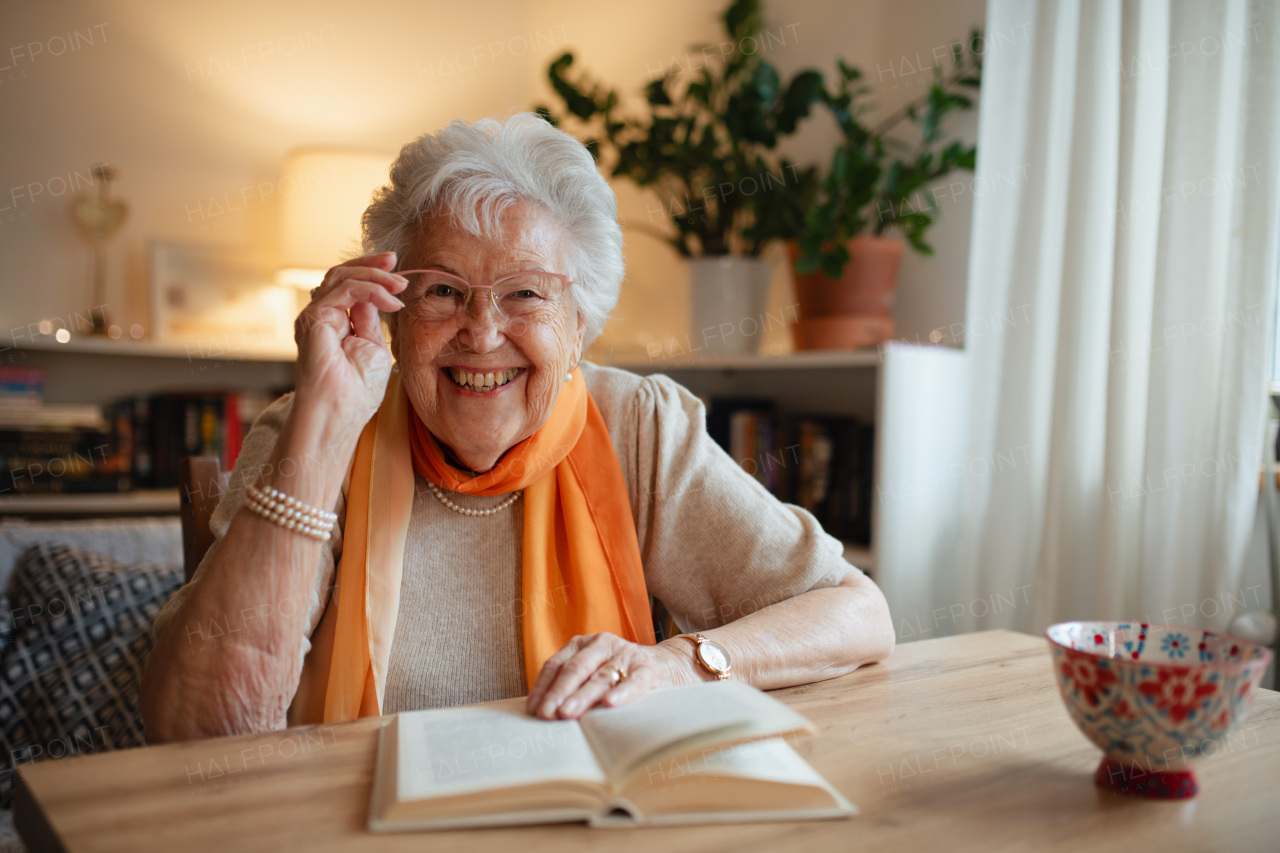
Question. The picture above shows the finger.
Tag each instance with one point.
(593, 689)
(336, 277)
(639, 681)
(328, 316)
(354, 291)
(551, 672)
(368, 358)
(574, 672)
(365, 322)
(550, 669)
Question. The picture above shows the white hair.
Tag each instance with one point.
(472, 172)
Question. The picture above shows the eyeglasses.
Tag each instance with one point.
(442, 296)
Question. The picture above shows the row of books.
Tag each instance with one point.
(40, 457)
(825, 464)
(156, 431)
(22, 404)
(42, 443)
(133, 443)
(18, 384)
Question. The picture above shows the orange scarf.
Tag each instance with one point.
(581, 568)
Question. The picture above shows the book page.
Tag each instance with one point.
(771, 759)
(450, 751)
(679, 720)
(753, 778)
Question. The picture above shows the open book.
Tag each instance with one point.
(707, 753)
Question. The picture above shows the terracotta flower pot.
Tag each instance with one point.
(841, 331)
(854, 310)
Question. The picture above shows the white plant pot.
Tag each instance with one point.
(728, 297)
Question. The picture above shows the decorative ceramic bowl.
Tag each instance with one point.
(1153, 697)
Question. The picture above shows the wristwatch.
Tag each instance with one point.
(713, 657)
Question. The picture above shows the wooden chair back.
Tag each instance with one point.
(201, 484)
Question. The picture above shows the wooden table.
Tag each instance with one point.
(953, 743)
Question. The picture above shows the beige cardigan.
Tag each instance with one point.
(714, 543)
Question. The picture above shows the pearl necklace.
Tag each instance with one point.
(461, 510)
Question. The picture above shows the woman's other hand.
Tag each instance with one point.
(580, 676)
(343, 360)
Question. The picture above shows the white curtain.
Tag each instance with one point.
(1126, 278)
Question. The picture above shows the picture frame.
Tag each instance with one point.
(219, 300)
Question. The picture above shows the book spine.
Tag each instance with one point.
(864, 486)
(741, 434)
(189, 436)
(765, 460)
(143, 443)
(750, 439)
(120, 462)
(24, 384)
(211, 433)
(820, 470)
(841, 471)
(231, 430)
(168, 416)
(847, 515)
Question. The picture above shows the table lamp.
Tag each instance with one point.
(99, 217)
(324, 192)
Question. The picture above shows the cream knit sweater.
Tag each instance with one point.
(714, 543)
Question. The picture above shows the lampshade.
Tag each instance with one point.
(324, 191)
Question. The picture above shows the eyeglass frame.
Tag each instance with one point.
(565, 279)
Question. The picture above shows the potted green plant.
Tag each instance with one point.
(704, 139)
(845, 264)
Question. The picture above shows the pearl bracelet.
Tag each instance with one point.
(293, 503)
(290, 513)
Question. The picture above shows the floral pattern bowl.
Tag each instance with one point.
(1153, 697)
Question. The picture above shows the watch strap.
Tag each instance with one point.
(698, 640)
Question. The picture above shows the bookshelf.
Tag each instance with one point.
(85, 345)
(94, 370)
(99, 371)
(905, 390)
(137, 502)
(822, 359)
(902, 389)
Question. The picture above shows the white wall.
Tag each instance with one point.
(196, 105)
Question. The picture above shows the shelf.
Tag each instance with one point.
(193, 351)
(793, 361)
(137, 502)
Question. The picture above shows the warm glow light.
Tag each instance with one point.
(324, 193)
(62, 336)
(300, 278)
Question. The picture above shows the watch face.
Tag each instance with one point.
(714, 656)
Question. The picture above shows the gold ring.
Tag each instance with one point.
(615, 673)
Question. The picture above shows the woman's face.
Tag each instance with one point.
(481, 425)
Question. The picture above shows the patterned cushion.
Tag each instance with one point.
(128, 541)
(6, 622)
(77, 641)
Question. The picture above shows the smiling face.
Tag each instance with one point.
(440, 360)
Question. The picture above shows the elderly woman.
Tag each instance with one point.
(475, 513)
